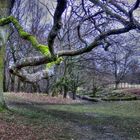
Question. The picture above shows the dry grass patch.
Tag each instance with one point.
(39, 98)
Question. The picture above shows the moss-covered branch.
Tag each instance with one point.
(50, 59)
(23, 34)
(44, 49)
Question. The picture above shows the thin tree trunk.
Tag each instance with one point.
(74, 95)
(4, 76)
(116, 84)
(12, 82)
(48, 87)
(65, 92)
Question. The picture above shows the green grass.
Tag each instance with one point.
(117, 116)
(120, 109)
(120, 119)
(102, 120)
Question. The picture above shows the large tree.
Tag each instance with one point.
(5, 9)
(107, 17)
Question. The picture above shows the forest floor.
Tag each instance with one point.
(39, 117)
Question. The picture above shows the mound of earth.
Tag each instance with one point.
(117, 95)
(135, 91)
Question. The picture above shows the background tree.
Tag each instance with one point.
(108, 19)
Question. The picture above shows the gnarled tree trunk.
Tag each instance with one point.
(5, 8)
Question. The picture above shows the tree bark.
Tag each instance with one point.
(74, 95)
(4, 76)
(65, 92)
(5, 8)
(2, 102)
(116, 84)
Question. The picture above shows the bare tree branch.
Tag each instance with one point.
(61, 6)
(31, 77)
(96, 42)
(136, 5)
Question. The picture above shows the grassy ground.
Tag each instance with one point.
(37, 119)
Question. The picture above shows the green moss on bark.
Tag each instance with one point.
(2, 54)
(44, 49)
(57, 62)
